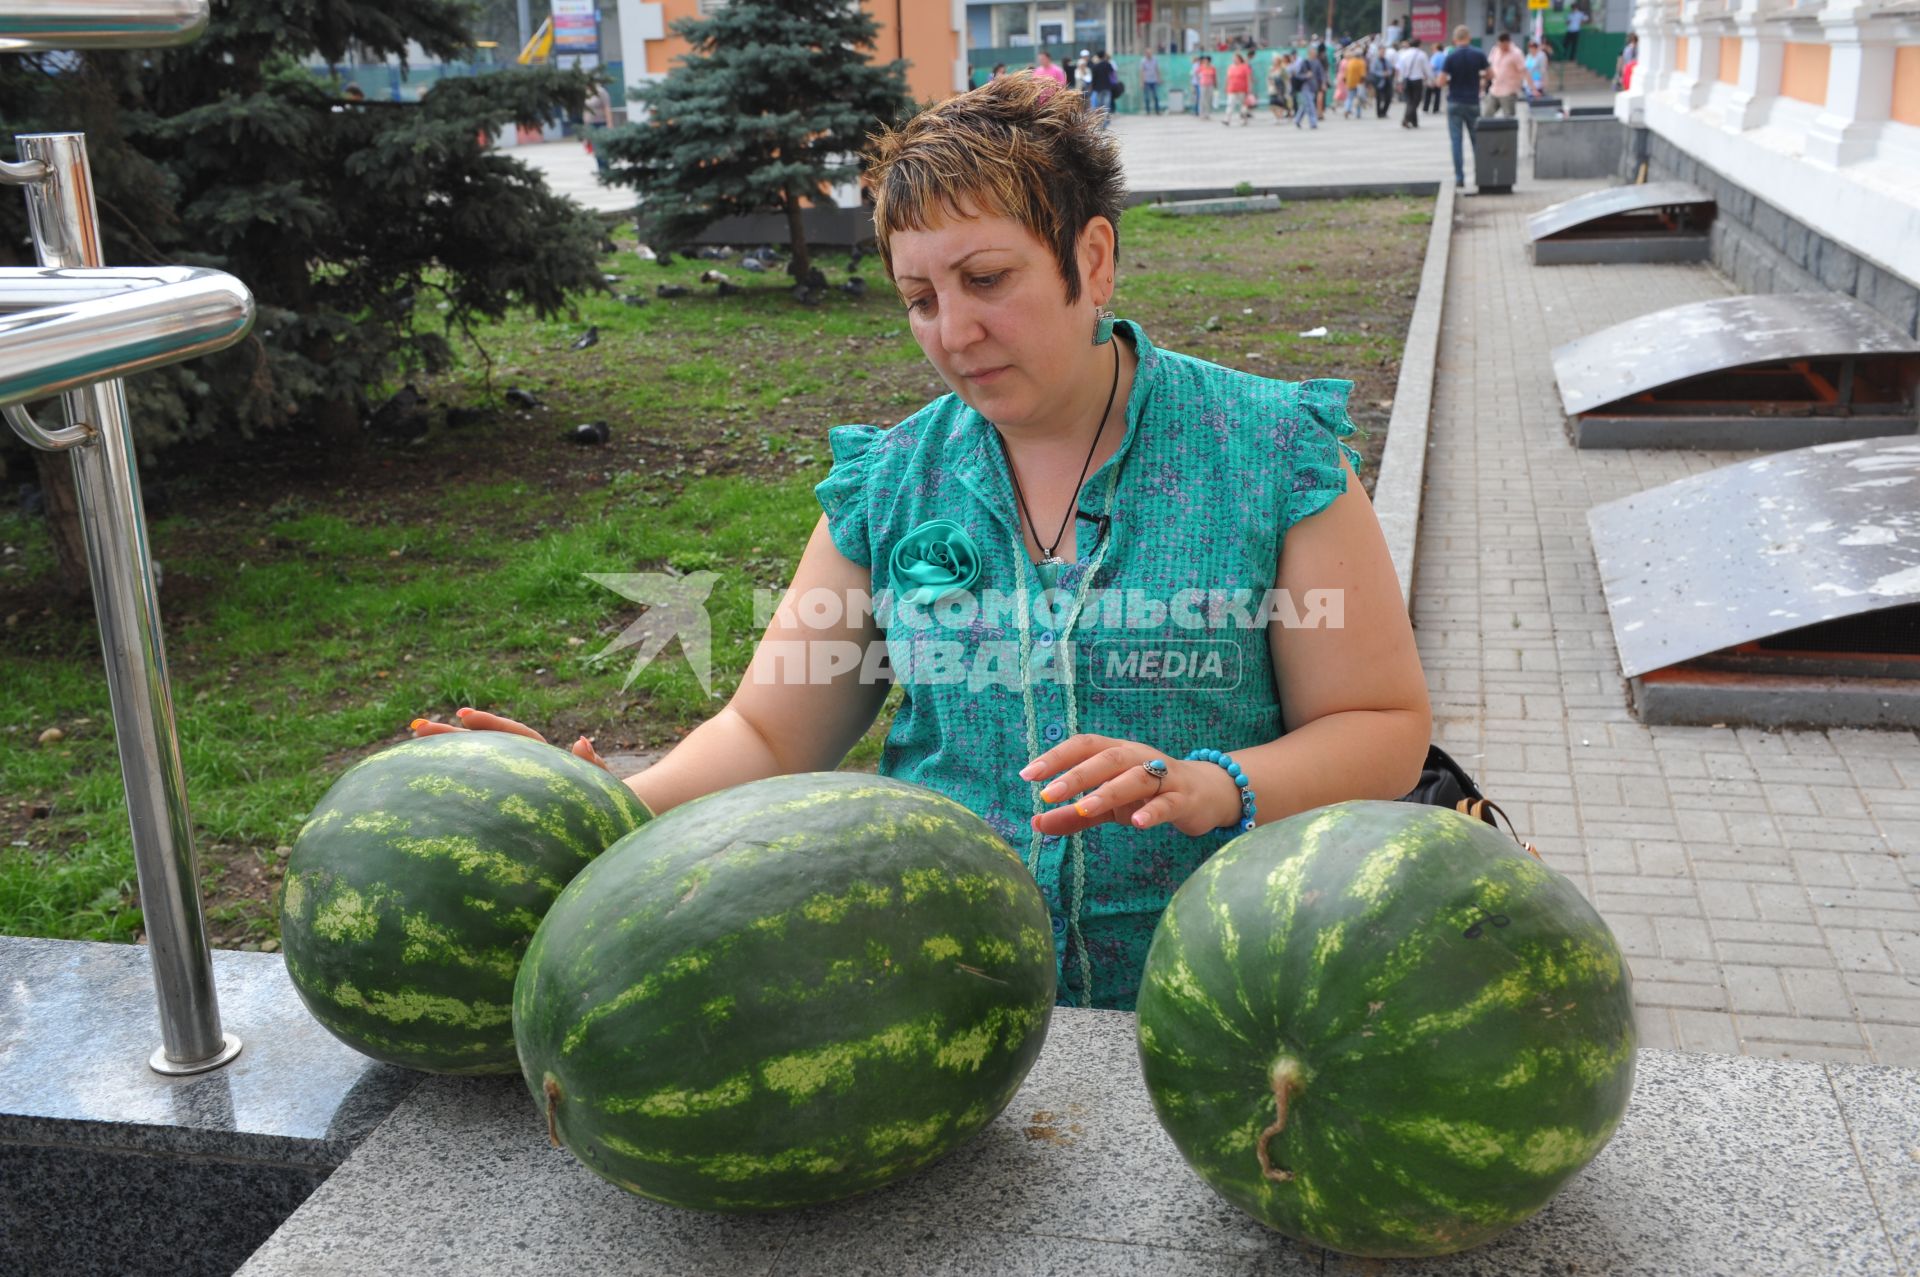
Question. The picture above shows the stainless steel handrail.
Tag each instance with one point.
(28, 26)
(30, 287)
(56, 348)
(80, 348)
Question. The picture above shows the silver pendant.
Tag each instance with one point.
(1053, 561)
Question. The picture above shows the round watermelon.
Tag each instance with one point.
(417, 883)
(1385, 1029)
(785, 993)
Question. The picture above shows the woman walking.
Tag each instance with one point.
(1239, 91)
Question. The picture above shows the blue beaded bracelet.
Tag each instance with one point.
(1239, 778)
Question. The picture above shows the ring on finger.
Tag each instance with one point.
(1156, 768)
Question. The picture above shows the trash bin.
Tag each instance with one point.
(1176, 100)
(1496, 155)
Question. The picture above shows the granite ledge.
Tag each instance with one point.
(1724, 1165)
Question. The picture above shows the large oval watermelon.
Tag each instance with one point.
(1385, 1029)
(785, 993)
(416, 884)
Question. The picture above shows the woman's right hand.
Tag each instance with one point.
(474, 720)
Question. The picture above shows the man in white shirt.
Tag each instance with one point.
(1576, 18)
(1412, 67)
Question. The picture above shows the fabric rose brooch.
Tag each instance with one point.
(934, 560)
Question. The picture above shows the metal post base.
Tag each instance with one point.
(160, 1063)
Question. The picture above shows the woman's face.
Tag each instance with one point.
(986, 303)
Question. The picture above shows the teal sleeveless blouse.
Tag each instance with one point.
(1188, 514)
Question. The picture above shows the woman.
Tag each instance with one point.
(1075, 464)
(1239, 91)
(1536, 69)
(1207, 77)
(1353, 77)
(1278, 85)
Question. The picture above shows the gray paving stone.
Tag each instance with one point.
(1762, 854)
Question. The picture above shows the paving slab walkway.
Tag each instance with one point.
(1764, 883)
(1181, 152)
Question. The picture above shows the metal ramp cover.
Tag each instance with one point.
(1699, 338)
(1758, 548)
(1619, 201)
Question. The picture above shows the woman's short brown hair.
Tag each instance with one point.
(1019, 147)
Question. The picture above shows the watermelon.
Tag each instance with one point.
(1384, 1029)
(785, 993)
(415, 886)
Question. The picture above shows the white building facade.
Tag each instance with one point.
(1813, 110)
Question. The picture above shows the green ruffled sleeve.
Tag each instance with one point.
(1318, 445)
(843, 493)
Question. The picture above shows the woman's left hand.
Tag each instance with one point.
(1111, 785)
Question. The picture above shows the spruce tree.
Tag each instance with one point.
(769, 109)
(341, 219)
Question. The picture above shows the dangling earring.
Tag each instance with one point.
(1102, 325)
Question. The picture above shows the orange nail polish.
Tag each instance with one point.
(463, 711)
(417, 724)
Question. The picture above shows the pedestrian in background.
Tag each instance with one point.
(1277, 86)
(1209, 77)
(1045, 65)
(1463, 76)
(1239, 91)
(1307, 81)
(1508, 77)
(1150, 84)
(1576, 19)
(596, 113)
(1413, 82)
(1193, 82)
(1353, 77)
(1380, 68)
(1435, 61)
(1104, 79)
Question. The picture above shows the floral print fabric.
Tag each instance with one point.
(1178, 540)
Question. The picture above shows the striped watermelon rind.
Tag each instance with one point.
(786, 993)
(1384, 1029)
(415, 886)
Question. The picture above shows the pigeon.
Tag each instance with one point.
(589, 432)
(766, 254)
(523, 399)
(714, 253)
(728, 290)
(753, 264)
(608, 246)
(816, 278)
(588, 338)
(855, 287)
(461, 418)
(853, 258)
(663, 258)
(805, 296)
(670, 290)
(713, 277)
(634, 299)
(402, 417)
(610, 279)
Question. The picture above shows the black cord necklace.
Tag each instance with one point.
(1060, 534)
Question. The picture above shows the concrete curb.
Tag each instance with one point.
(1322, 191)
(1403, 466)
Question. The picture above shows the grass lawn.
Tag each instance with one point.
(315, 605)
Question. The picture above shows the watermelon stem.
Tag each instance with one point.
(552, 1089)
(1286, 1080)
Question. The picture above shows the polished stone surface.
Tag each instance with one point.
(1737, 1166)
(69, 1211)
(78, 1022)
